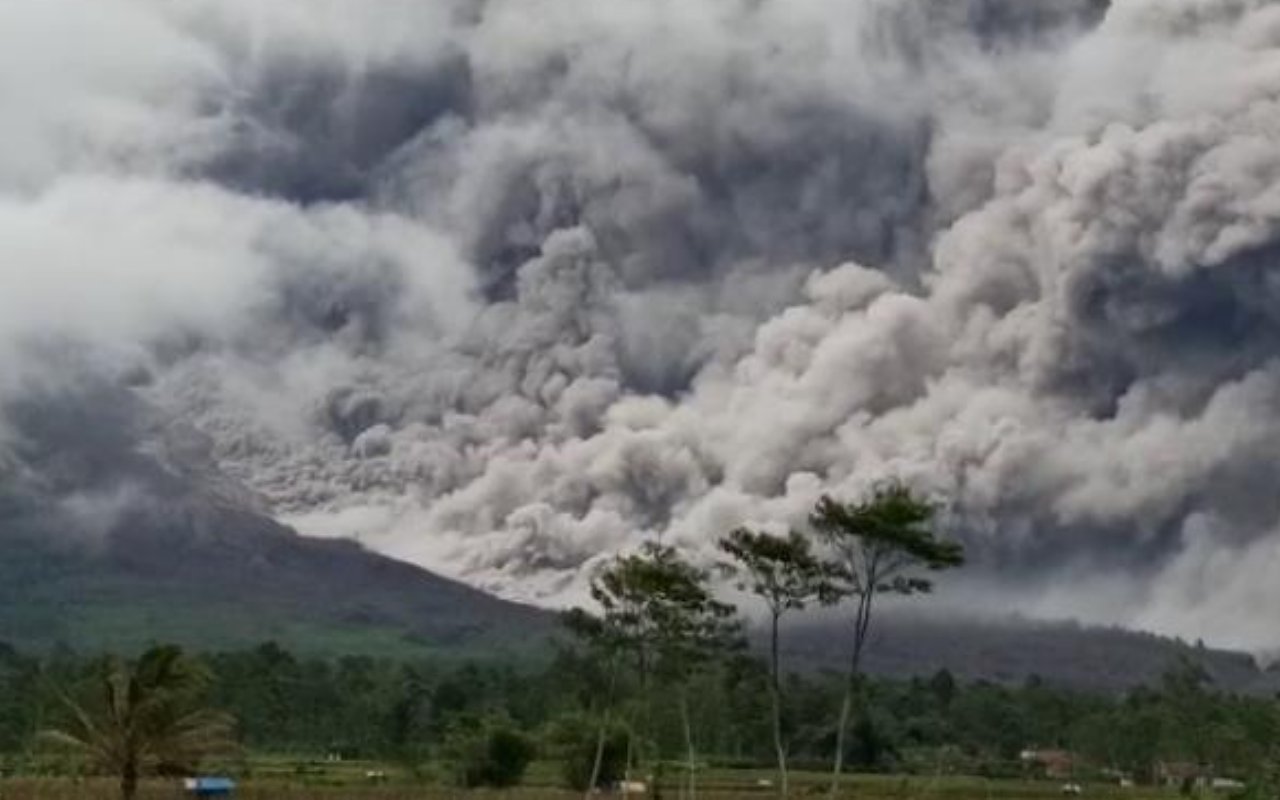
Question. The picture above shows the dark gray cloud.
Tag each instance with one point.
(505, 286)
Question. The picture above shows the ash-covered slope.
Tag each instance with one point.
(115, 531)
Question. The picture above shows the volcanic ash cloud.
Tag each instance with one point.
(504, 287)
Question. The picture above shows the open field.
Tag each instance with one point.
(347, 781)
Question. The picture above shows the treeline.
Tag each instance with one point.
(410, 713)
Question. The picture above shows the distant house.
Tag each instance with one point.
(1049, 763)
(1177, 774)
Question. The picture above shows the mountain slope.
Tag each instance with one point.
(914, 644)
(116, 529)
(227, 578)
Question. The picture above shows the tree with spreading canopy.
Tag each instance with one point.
(659, 608)
(880, 545)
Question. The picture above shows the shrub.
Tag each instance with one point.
(489, 753)
(575, 739)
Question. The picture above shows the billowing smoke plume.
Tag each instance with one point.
(504, 286)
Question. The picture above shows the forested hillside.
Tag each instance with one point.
(1010, 650)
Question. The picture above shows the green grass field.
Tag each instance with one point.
(290, 780)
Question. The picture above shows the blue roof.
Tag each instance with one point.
(210, 787)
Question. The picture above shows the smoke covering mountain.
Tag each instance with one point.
(505, 286)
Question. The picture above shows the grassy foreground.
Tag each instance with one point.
(348, 781)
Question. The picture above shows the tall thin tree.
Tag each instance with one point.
(694, 629)
(783, 572)
(881, 545)
(604, 642)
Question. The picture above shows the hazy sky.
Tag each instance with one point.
(505, 286)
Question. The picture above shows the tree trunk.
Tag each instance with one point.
(602, 735)
(776, 692)
(129, 781)
(862, 623)
(643, 720)
(598, 761)
(631, 756)
(845, 707)
(692, 792)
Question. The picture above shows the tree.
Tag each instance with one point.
(605, 641)
(488, 752)
(589, 761)
(660, 608)
(782, 571)
(146, 717)
(408, 723)
(877, 546)
(19, 698)
(1189, 709)
(697, 630)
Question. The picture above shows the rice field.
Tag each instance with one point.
(284, 781)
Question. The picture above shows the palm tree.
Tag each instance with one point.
(145, 717)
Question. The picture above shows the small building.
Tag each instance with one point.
(1049, 763)
(1183, 774)
(209, 787)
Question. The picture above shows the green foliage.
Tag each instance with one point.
(574, 741)
(870, 746)
(781, 570)
(404, 712)
(1264, 779)
(144, 717)
(18, 691)
(660, 608)
(489, 752)
(879, 543)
